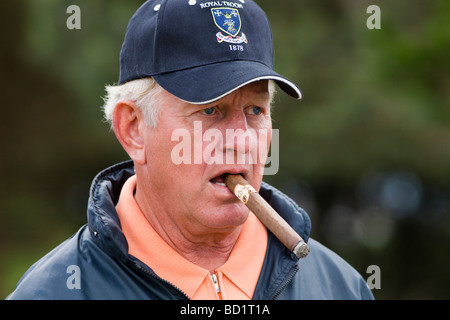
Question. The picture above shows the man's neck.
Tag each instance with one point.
(208, 249)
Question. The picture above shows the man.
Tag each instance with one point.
(192, 104)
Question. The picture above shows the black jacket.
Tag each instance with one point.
(95, 264)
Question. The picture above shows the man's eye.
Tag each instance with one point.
(208, 111)
(255, 110)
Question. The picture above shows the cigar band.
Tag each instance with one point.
(243, 192)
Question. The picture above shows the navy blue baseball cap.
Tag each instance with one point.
(200, 51)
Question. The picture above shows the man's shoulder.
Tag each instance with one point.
(326, 257)
(56, 275)
(328, 276)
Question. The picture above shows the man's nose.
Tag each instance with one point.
(238, 135)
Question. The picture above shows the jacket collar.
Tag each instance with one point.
(103, 221)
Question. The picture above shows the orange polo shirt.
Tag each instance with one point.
(236, 279)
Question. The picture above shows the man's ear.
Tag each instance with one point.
(128, 124)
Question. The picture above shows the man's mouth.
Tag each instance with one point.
(220, 179)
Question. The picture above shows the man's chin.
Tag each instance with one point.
(228, 215)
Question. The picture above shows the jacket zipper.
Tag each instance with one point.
(290, 277)
(155, 276)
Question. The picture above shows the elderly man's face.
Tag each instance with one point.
(231, 135)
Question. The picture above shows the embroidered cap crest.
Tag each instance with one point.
(228, 20)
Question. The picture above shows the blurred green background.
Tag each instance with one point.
(366, 153)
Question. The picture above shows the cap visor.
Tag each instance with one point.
(206, 84)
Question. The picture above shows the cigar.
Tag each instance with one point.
(267, 215)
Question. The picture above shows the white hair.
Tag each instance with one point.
(145, 93)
